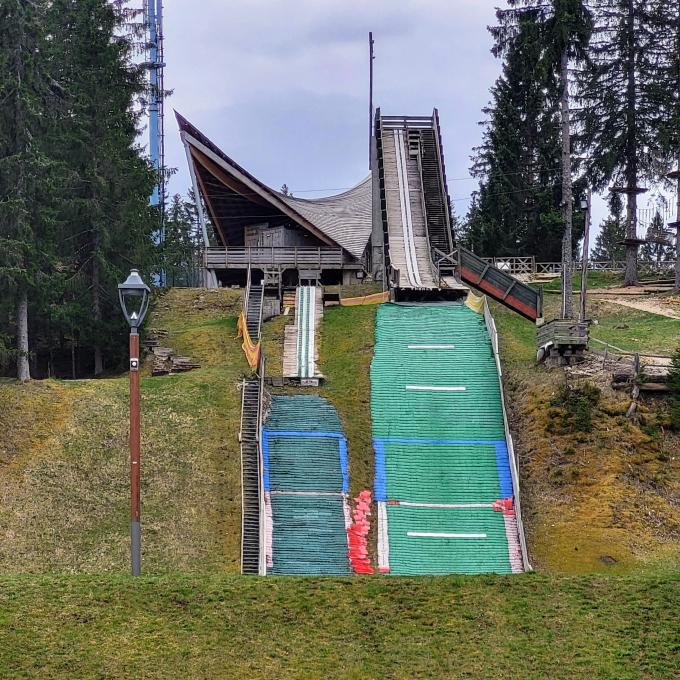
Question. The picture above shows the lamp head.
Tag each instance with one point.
(134, 299)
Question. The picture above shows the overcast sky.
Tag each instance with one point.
(282, 85)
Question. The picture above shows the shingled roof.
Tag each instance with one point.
(234, 198)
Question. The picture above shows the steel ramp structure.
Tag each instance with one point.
(500, 286)
(443, 479)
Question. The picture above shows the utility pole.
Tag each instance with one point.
(567, 198)
(675, 175)
(371, 57)
(584, 263)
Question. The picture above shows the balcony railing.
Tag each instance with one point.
(267, 256)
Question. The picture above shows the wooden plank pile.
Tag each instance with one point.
(650, 375)
(165, 361)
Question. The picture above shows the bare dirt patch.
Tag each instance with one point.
(663, 306)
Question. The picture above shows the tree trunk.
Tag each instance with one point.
(23, 367)
(567, 198)
(631, 153)
(97, 314)
(677, 234)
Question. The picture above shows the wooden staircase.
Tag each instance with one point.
(436, 202)
(251, 500)
(254, 303)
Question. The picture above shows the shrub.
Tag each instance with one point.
(576, 404)
(674, 385)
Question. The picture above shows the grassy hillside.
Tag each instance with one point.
(605, 500)
(530, 627)
(345, 354)
(64, 458)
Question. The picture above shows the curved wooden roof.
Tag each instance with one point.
(235, 198)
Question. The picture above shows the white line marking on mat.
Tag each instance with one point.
(434, 388)
(446, 505)
(433, 534)
(431, 346)
(306, 493)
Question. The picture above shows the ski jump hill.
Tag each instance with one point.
(446, 491)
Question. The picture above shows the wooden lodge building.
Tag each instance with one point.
(255, 227)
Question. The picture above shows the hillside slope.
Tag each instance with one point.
(64, 493)
(607, 499)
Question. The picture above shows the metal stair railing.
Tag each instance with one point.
(512, 457)
(250, 477)
(262, 565)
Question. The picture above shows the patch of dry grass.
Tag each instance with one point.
(587, 497)
(64, 458)
(606, 500)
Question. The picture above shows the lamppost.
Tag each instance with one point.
(134, 301)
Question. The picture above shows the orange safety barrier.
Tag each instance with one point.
(357, 534)
(373, 299)
(505, 505)
(251, 350)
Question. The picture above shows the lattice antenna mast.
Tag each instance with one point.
(143, 27)
(153, 18)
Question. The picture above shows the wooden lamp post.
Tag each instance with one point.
(134, 301)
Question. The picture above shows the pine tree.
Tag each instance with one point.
(663, 91)
(609, 242)
(26, 90)
(106, 208)
(517, 210)
(659, 247)
(182, 244)
(566, 28)
(618, 116)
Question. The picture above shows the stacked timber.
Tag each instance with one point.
(648, 378)
(165, 361)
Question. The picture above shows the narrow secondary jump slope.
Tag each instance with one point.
(306, 482)
(443, 482)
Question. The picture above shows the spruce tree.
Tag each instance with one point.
(566, 27)
(182, 244)
(659, 247)
(618, 118)
(26, 90)
(609, 242)
(106, 209)
(663, 90)
(517, 208)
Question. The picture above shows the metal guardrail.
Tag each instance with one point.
(512, 456)
(513, 265)
(528, 265)
(258, 256)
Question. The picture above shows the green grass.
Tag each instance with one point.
(530, 627)
(595, 280)
(346, 350)
(634, 330)
(64, 479)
